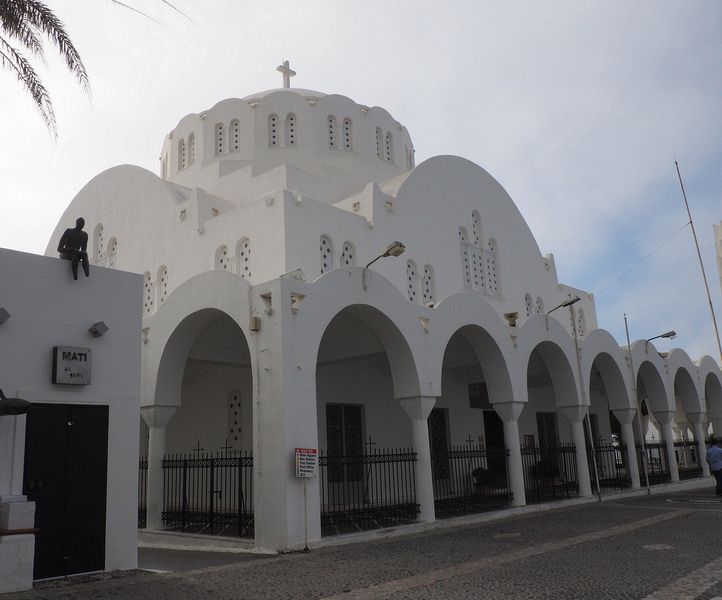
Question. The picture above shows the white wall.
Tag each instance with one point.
(48, 309)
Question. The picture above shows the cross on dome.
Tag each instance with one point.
(287, 73)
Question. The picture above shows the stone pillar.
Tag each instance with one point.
(418, 410)
(575, 415)
(625, 417)
(157, 418)
(509, 413)
(665, 419)
(699, 421)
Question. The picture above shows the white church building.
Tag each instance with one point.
(454, 373)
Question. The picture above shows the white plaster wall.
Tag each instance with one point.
(48, 308)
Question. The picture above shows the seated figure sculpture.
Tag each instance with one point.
(73, 247)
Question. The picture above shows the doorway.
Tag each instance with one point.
(66, 461)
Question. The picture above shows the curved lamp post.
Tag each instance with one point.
(394, 249)
(12, 406)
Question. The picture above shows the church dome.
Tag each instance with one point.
(303, 128)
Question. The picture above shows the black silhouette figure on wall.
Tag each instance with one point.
(73, 246)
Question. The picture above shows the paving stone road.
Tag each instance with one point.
(666, 547)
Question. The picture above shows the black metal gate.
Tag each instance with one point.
(550, 472)
(66, 460)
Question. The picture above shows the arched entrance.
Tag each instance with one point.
(659, 464)
(202, 424)
(687, 426)
(369, 448)
(470, 458)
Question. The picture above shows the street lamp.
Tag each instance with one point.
(670, 335)
(13, 406)
(565, 304)
(394, 249)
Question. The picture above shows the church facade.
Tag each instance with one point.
(264, 331)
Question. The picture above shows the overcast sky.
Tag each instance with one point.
(577, 108)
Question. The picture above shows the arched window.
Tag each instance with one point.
(243, 258)
(492, 276)
(220, 139)
(235, 135)
(191, 148)
(223, 259)
(476, 228)
(411, 277)
(290, 129)
(148, 300)
(332, 134)
(529, 301)
(98, 256)
(539, 305)
(234, 419)
(581, 323)
(463, 236)
(427, 286)
(181, 154)
(347, 141)
(389, 148)
(477, 268)
(162, 284)
(379, 143)
(273, 131)
(112, 253)
(348, 255)
(326, 250)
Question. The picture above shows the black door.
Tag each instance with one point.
(66, 457)
(439, 443)
(344, 441)
(495, 445)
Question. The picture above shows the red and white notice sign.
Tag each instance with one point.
(306, 462)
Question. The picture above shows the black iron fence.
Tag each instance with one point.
(209, 493)
(688, 459)
(142, 490)
(550, 472)
(612, 465)
(367, 491)
(655, 461)
(470, 479)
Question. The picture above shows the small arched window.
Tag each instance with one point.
(234, 419)
(529, 302)
(223, 259)
(581, 323)
(235, 135)
(191, 148)
(348, 255)
(347, 141)
(476, 228)
(162, 284)
(428, 286)
(98, 256)
(411, 278)
(389, 148)
(220, 139)
(326, 253)
(243, 258)
(332, 133)
(492, 276)
(273, 131)
(181, 154)
(463, 236)
(112, 253)
(539, 305)
(290, 129)
(379, 143)
(148, 296)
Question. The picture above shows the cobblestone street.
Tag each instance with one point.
(645, 548)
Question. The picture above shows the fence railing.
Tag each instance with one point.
(210, 493)
(142, 490)
(470, 479)
(656, 463)
(367, 491)
(688, 459)
(612, 467)
(549, 472)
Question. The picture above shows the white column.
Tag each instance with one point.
(509, 413)
(666, 418)
(626, 418)
(699, 420)
(418, 410)
(575, 415)
(157, 418)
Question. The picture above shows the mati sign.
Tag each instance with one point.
(71, 365)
